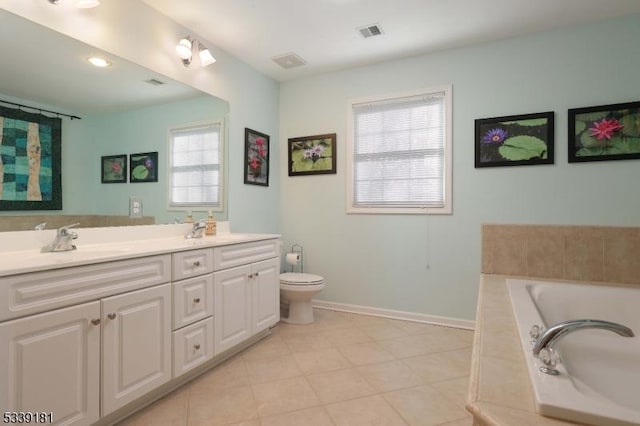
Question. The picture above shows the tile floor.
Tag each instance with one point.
(344, 369)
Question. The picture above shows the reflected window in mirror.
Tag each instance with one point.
(196, 167)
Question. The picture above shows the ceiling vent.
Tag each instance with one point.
(289, 60)
(155, 82)
(370, 30)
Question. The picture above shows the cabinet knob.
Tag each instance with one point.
(196, 300)
(250, 275)
(256, 274)
(95, 321)
(111, 315)
(196, 263)
(196, 347)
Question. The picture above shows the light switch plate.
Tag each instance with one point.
(135, 207)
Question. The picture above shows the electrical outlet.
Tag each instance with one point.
(135, 207)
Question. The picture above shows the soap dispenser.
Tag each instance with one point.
(210, 228)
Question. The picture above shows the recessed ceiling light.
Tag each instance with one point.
(98, 62)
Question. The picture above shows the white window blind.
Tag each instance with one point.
(398, 153)
(196, 166)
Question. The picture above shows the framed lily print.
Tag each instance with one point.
(143, 167)
(514, 140)
(256, 158)
(312, 155)
(114, 168)
(30, 161)
(606, 132)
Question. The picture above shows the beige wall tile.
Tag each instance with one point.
(507, 255)
(505, 382)
(622, 259)
(545, 255)
(584, 258)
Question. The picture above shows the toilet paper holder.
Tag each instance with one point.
(296, 249)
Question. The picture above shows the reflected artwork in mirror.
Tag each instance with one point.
(29, 161)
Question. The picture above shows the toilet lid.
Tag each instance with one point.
(295, 278)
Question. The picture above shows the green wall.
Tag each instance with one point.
(432, 265)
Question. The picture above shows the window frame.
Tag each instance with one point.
(221, 207)
(447, 208)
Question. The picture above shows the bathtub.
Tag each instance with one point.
(599, 380)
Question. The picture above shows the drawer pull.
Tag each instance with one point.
(196, 263)
(251, 276)
(196, 347)
(256, 274)
(95, 321)
(111, 315)
(196, 300)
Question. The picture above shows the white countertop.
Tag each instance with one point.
(96, 245)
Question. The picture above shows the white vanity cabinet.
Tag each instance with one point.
(86, 341)
(50, 363)
(192, 309)
(136, 345)
(247, 297)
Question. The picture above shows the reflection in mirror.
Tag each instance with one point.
(125, 109)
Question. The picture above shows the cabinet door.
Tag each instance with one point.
(136, 345)
(232, 313)
(265, 291)
(50, 362)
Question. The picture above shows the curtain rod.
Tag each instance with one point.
(40, 110)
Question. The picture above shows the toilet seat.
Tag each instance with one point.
(298, 279)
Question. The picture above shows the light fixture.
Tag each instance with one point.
(184, 49)
(98, 62)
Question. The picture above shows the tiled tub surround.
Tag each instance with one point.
(580, 253)
(500, 392)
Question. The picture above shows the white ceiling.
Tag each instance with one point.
(323, 32)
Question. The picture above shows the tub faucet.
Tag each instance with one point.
(556, 331)
(196, 230)
(63, 240)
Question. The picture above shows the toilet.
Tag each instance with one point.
(298, 289)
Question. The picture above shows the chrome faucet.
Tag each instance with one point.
(556, 331)
(196, 230)
(40, 226)
(63, 240)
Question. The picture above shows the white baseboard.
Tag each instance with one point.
(389, 313)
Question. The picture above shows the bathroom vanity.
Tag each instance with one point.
(91, 335)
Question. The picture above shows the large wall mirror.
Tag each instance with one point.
(124, 108)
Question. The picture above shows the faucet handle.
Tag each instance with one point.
(64, 230)
(549, 358)
(535, 332)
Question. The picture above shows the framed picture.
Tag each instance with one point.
(256, 158)
(143, 167)
(312, 155)
(30, 158)
(114, 169)
(607, 132)
(514, 140)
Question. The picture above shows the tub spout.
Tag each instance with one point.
(556, 331)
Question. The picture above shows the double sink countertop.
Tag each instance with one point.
(20, 251)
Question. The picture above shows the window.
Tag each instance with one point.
(196, 167)
(399, 154)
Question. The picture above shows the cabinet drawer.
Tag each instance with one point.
(187, 264)
(27, 294)
(242, 254)
(192, 346)
(192, 300)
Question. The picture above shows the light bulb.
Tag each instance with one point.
(98, 62)
(205, 56)
(184, 48)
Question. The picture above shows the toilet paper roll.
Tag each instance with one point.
(292, 258)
